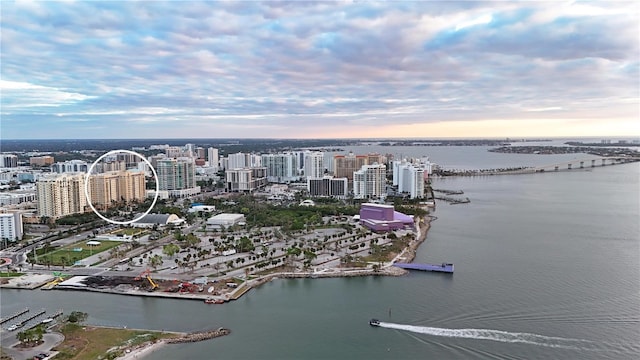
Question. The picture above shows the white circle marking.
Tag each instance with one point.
(86, 187)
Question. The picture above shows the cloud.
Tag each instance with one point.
(264, 67)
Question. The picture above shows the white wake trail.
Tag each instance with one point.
(496, 335)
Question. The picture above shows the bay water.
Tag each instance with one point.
(547, 267)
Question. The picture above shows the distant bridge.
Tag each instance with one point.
(564, 166)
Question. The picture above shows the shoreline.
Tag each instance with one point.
(142, 350)
(407, 255)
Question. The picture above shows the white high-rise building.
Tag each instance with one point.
(370, 182)
(61, 195)
(213, 157)
(239, 160)
(174, 152)
(409, 178)
(246, 179)
(314, 164)
(71, 166)
(11, 226)
(281, 168)
(8, 161)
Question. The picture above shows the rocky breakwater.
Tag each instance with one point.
(199, 336)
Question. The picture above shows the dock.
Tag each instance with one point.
(14, 315)
(444, 267)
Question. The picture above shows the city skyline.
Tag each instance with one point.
(319, 70)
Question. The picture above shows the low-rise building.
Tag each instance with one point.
(225, 220)
(381, 217)
(160, 220)
(41, 160)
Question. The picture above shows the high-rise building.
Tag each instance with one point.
(314, 164)
(246, 179)
(174, 152)
(71, 166)
(11, 226)
(8, 161)
(200, 153)
(109, 166)
(409, 178)
(327, 186)
(61, 195)
(177, 176)
(345, 165)
(190, 150)
(213, 157)
(116, 187)
(239, 160)
(281, 168)
(370, 182)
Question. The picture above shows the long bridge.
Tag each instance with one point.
(577, 164)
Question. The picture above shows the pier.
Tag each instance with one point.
(14, 315)
(42, 311)
(444, 267)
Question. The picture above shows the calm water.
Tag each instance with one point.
(547, 267)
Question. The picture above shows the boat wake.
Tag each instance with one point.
(497, 335)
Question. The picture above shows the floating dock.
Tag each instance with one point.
(14, 315)
(444, 267)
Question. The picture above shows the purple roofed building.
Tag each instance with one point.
(380, 217)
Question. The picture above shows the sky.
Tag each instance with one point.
(319, 69)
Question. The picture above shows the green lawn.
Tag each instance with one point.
(69, 254)
(10, 274)
(128, 231)
(94, 342)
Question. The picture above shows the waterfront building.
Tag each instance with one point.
(71, 166)
(281, 168)
(11, 227)
(409, 178)
(116, 187)
(41, 160)
(177, 177)
(246, 179)
(8, 161)
(328, 186)
(61, 195)
(314, 164)
(381, 217)
(370, 182)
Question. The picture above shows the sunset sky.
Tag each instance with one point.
(302, 69)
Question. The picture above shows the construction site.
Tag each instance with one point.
(219, 290)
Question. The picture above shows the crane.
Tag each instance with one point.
(147, 275)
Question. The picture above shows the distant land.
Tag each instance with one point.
(232, 145)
